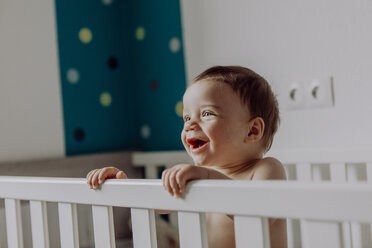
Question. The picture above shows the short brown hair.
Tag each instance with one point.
(254, 91)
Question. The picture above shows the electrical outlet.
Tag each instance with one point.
(294, 96)
(320, 93)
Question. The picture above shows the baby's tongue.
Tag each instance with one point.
(198, 143)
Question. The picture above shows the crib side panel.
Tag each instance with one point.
(14, 223)
(325, 202)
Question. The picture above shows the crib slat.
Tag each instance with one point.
(338, 175)
(14, 223)
(369, 172)
(144, 229)
(304, 172)
(39, 224)
(322, 234)
(360, 233)
(103, 225)
(338, 172)
(192, 230)
(151, 171)
(293, 225)
(251, 232)
(369, 180)
(68, 226)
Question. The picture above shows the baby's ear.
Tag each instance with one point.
(256, 129)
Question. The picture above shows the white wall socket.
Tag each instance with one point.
(310, 94)
(320, 93)
(295, 96)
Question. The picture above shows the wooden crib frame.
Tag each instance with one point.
(330, 204)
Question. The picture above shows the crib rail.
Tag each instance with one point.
(250, 202)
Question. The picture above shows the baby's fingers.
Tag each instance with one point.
(121, 175)
(164, 179)
(107, 172)
(89, 177)
(181, 181)
(94, 179)
(166, 183)
(173, 183)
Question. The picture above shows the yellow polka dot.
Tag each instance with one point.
(140, 33)
(85, 35)
(105, 99)
(179, 109)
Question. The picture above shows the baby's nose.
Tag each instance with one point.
(190, 125)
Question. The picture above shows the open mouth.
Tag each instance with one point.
(196, 143)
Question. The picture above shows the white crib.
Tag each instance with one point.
(323, 210)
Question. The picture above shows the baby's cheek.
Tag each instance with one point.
(220, 134)
(183, 138)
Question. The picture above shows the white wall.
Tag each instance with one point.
(293, 40)
(282, 40)
(31, 124)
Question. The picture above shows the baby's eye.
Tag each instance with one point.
(186, 118)
(207, 113)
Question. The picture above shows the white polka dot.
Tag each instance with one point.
(145, 131)
(107, 2)
(174, 44)
(72, 76)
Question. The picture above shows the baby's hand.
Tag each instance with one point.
(98, 176)
(175, 178)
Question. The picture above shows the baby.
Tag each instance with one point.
(230, 117)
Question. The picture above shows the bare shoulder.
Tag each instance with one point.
(269, 169)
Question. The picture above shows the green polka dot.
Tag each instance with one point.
(140, 33)
(179, 109)
(85, 35)
(105, 99)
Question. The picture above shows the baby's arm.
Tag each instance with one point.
(175, 178)
(272, 169)
(269, 169)
(98, 176)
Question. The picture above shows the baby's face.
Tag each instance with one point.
(216, 124)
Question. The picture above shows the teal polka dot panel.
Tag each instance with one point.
(160, 73)
(122, 74)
